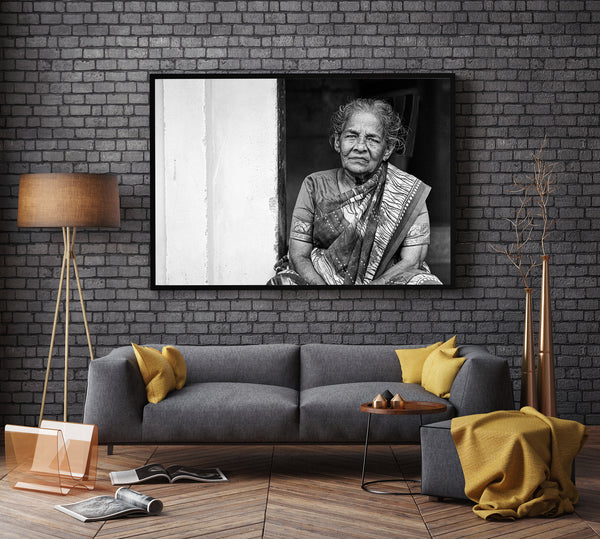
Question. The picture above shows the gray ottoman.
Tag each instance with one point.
(441, 472)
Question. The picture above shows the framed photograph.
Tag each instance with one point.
(312, 180)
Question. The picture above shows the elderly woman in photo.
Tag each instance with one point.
(366, 222)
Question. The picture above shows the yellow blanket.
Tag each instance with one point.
(518, 463)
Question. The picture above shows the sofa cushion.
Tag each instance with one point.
(156, 371)
(327, 364)
(332, 413)
(224, 412)
(412, 361)
(439, 371)
(269, 364)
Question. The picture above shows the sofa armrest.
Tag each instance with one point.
(483, 383)
(115, 397)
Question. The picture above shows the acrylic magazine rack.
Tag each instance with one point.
(54, 458)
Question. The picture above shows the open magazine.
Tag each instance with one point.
(172, 473)
(126, 502)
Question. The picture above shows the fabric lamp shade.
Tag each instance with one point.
(68, 200)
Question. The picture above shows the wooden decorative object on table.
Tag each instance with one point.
(398, 401)
(388, 396)
(379, 402)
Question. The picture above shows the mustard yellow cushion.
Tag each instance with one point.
(412, 360)
(175, 359)
(439, 371)
(156, 371)
(432, 360)
(450, 343)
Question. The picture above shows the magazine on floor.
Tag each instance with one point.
(125, 503)
(173, 473)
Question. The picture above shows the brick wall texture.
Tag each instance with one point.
(74, 96)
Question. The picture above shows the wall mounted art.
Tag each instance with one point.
(252, 187)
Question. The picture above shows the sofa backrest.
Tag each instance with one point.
(270, 364)
(328, 364)
(483, 383)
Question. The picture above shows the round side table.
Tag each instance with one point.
(419, 408)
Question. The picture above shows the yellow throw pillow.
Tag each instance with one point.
(450, 343)
(175, 359)
(412, 360)
(439, 371)
(156, 371)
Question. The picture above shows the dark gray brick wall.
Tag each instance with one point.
(74, 88)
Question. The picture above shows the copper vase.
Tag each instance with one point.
(545, 374)
(528, 380)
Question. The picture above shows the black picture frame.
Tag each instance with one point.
(295, 119)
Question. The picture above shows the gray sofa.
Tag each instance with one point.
(280, 393)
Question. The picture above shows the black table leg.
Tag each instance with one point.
(364, 484)
(362, 477)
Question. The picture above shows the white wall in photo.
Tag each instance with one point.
(216, 174)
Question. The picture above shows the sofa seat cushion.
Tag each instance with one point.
(332, 413)
(224, 412)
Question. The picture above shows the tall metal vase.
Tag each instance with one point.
(545, 374)
(528, 379)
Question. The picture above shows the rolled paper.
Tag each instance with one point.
(379, 402)
(398, 401)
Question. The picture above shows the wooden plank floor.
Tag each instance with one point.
(286, 491)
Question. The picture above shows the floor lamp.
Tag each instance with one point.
(67, 201)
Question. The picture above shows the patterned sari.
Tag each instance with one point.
(358, 234)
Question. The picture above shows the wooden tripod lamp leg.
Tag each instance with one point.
(68, 257)
(87, 329)
(67, 297)
(60, 285)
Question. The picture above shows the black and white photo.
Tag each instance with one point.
(303, 181)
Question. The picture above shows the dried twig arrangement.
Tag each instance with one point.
(543, 182)
(541, 185)
(522, 226)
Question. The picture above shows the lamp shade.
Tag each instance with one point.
(68, 199)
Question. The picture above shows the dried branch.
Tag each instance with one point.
(522, 226)
(543, 183)
(540, 187)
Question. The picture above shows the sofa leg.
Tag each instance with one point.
(110, 449)
(436, 498)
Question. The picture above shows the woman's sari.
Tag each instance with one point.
(357, 234)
